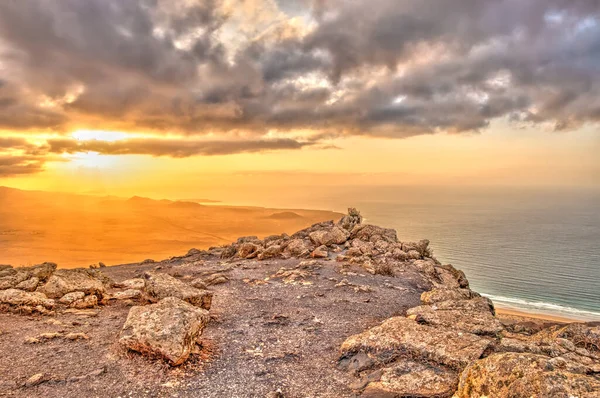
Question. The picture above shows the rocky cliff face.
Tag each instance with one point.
(345, 302)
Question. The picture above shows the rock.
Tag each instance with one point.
(16, 297)
(41, 271)
(228, 252)
(437, 295)
(525, 375)
(70, 298)
(349, 221)
(65, 281)
(29, 285)
(215, 279)
(193, 252)
(168, 329)
(49, 336)
(101, 264)
(413, 255)
(421, 247)
(89, 301)
(129, 294)
(35, 380)
(272, 251)
(159, 286)
(401, 336)
(408, 378)
(474, 316)
(298, 248)
(77, 336)
(136, 283)
(293, 276)
(198, 284)
(320, 252)
(247, 250)
(372, 233)
(274, 394)
(336, 236)
(13, 279)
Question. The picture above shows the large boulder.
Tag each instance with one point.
(65, 281)
(15, 297)
(526, 375)
(168, 329)
(159, 286)
(474, 316)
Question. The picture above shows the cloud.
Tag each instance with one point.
(11, 166)
(393, 68)
(175, 148)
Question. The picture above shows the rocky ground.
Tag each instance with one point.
(337, 310)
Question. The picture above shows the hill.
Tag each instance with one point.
(79, 230)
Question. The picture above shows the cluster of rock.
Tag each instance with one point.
(376, 249)
(42, 288)
(454, 346)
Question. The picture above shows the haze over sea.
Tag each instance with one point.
(535, 250)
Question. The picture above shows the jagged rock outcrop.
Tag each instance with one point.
(168, 329)
(160, 286)
(26, 277)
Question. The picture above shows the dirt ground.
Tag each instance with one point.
(264, 336)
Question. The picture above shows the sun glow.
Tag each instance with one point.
(100, 135)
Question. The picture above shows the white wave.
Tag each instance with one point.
(544, 308)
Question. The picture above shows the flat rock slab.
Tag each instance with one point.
(168, 329)
(525, 375)
(159, 286)
(403, 337)
(473, 316)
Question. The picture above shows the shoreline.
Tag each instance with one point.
(509, 312)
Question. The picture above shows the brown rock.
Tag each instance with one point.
(349, 221)
(136, 283)
(70, 298)
(89, 301)
(29, 285)
(372, 233)
(474, 316)
(35, 380)
(401, 336)
(65, 281)
(159, 286)
(129, 294)
(407, 378)
(215, 279)
(298, 248)
(168, 329)
(245, 250)
(16, 297)
(525, 375)
(272, 251)
(437, 295)
(320, 252)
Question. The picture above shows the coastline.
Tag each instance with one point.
(511, 313)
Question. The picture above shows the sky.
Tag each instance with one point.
(178, 98)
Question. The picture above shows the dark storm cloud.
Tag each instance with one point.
(175, 148)
(391, 68)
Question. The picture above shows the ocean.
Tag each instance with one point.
(534, 250)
